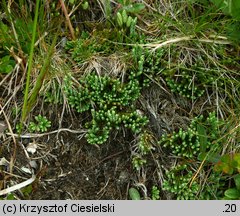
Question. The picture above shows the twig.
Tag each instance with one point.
(103, 187)
(198, 171)
(64, 9)
(160, 44)
(187, 38)
(74, 9)
(32, 135)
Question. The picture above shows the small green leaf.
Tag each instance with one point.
(124, 16)
(225, 165)
(134, 194)
(236, 161)
(235, 9)
(6, 64)
(119, 19)
(27, 190)
(237, 181)
(85, 5)
(10, 197)
(8, 68)
(232, 193)
(71, 1)
(135, 8)
(129, 21)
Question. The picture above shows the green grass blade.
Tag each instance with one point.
(30, 62)
(41, 76)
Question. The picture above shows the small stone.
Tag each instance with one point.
(32, 148)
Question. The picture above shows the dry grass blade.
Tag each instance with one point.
(64, 9)
(13, 157)
(18, 186)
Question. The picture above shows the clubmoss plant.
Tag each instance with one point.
(155, 192)
(144, 145)
(181, 182)
(150, 64)
(186, 85)
(178, 183)
(182, 143)
(111, 103)
(138, 161)
(127, 25)
(200, 137)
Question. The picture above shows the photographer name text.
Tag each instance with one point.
(66, 208)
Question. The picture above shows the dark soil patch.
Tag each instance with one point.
(73, 169)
